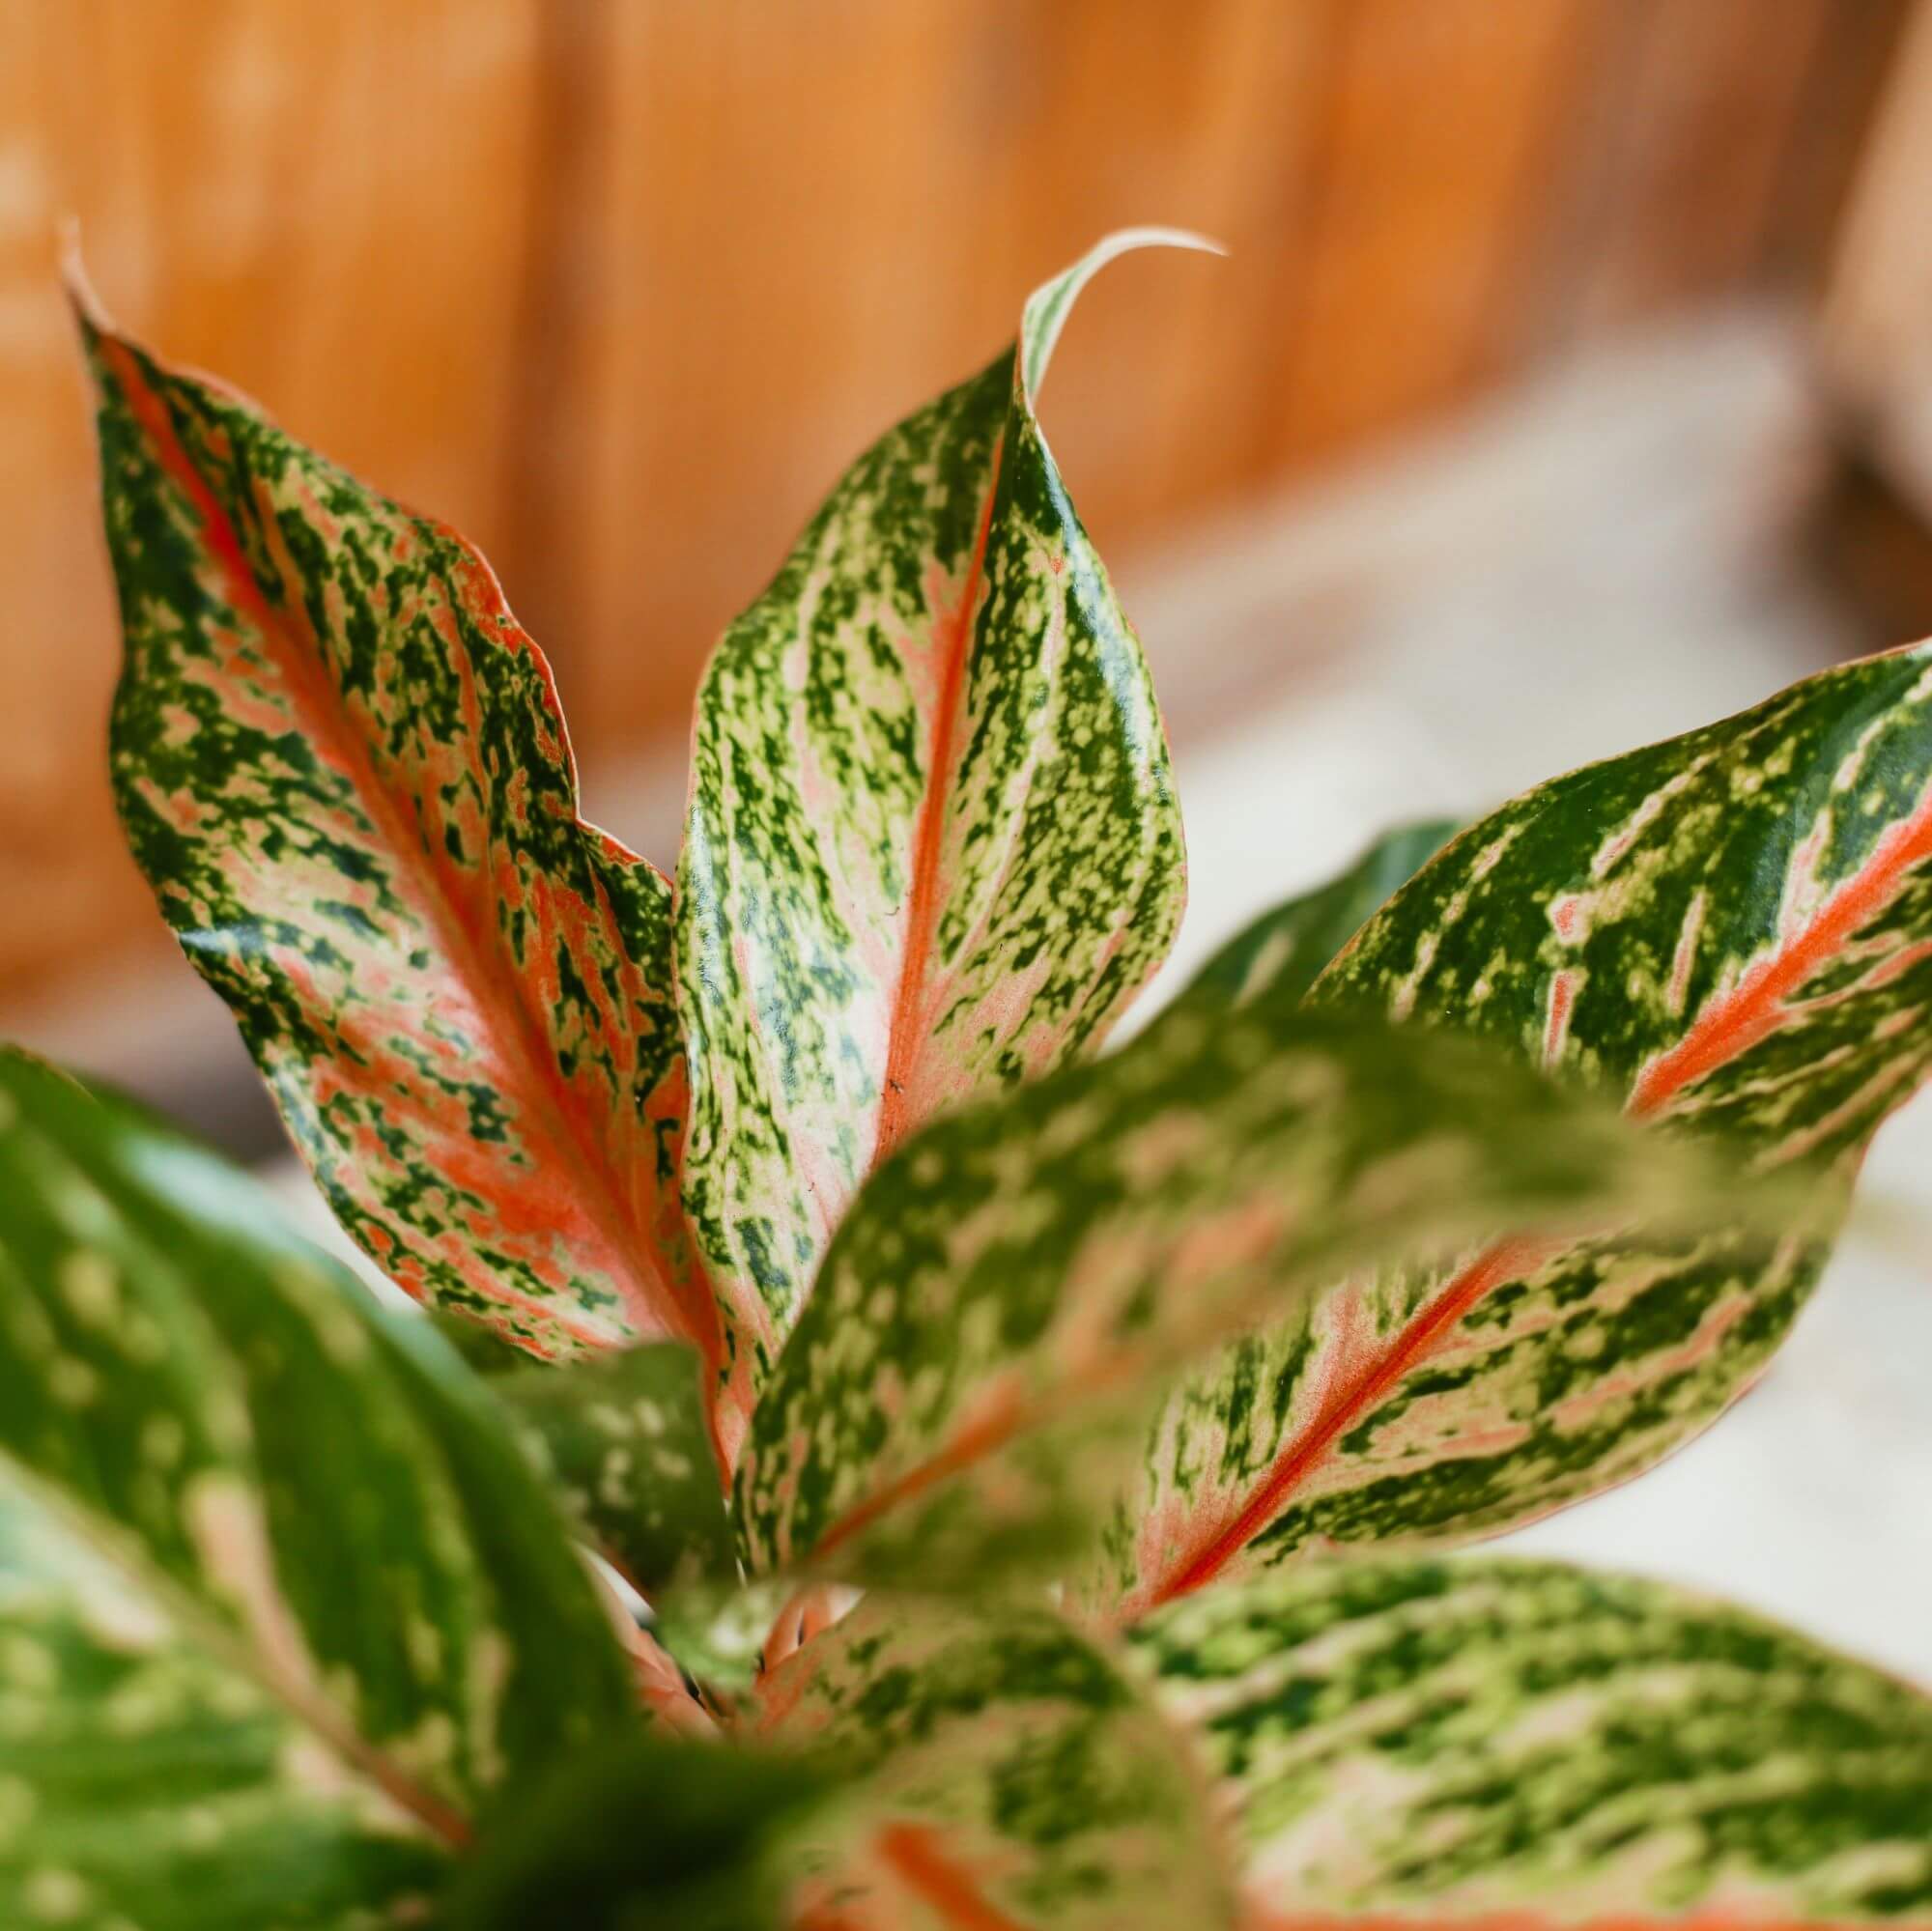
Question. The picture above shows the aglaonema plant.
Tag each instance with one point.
(1038, 1463)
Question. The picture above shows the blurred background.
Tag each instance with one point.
(1569, 382)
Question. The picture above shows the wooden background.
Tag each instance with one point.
(618, 285)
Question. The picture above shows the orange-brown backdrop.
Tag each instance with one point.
(616, 285)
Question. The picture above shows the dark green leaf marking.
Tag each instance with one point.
(1730, 933)
(1455, 1739)
(933, 848)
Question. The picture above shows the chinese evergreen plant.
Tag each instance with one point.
(1037, 1465)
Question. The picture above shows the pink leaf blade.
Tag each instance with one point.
(342, 766)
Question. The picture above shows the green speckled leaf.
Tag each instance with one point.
(1280, 954)
(1073, 1242)
(143, 1782)
(314, 1494)
(1005, 1775)
(1731, 934)
(624, 1441)
(341, 765)
(1498, 1741)
(932, 847)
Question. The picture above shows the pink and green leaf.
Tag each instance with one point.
(1004, 1774)
(341, 764)
(1026, 1272)
(1492, 1741)
(1730, 934)
(932, 846)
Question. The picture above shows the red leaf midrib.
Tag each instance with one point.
(1722, 1031)
(653, 1299)
(1505, 1260)
(908, 1027)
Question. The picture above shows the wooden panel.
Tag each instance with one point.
(619, 285)
(1706, 99)
(1436, 117)
(737, 360)
(289, 194)
(1878, 314)
(1822, 160)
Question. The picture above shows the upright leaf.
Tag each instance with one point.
(1491, 1742)
(1730, 933)
(146, 1781)
(932, 846)
(623, 1441)
(1282, 953)
(316, 1498)
(1078, 1240)
(341, 765)
(1001, 1773)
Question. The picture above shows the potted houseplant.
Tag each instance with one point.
(1036, 1463)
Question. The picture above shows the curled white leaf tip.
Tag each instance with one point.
(1048, 306)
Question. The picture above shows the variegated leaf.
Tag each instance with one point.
(145, 1781)
(1490, 1742)
(1282, 953)
(1004, 1774)
(315, 1495)
(933, 845)
(623, 1440)
(1730, 933)
(1071, 1243)
(341, 765)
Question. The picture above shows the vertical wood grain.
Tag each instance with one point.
(325, 203)
(1435, 113)
(1702, 118)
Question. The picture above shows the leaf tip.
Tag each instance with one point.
(1047, 307)
(90, 313)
